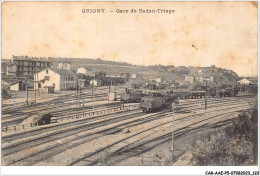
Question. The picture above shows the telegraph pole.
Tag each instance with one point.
(172, 131)
(26, 101)
(35, 88)
(79, 96)
(206, 92)
(93, 98)
(173, 108)
(82, 101)
(77, 86)
(38, 84)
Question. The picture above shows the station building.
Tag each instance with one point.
(57, 79)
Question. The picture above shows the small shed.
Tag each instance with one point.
(96, 82)
(112, 96)
(14, 86)
(38, 119)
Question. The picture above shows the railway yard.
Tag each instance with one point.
(94, 131)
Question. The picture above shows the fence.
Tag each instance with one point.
(10, 128)
(93, 113)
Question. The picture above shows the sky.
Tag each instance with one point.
(198, 34)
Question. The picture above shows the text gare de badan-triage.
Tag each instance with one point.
(165, 11)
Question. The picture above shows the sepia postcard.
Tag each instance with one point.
(171, 83)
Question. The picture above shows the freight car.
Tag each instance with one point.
(252, 88)
(151, 104)
(228, 92)
(130, 97)
(197, 94)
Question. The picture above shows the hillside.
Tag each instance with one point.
(221, 76)
(80, 61)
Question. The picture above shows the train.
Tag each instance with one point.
(155, 102)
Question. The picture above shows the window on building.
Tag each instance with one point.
(46, 71)
(47, 78)
(39, 85)
(31, 68)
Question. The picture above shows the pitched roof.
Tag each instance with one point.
(10, 64)
(11, 81)
(62, 71)
(96, 79)
(244, 79)
(87, 68)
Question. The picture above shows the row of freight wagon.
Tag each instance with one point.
(155, 101)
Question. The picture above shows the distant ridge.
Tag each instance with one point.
(88, 61)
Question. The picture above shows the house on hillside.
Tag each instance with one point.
(198, 78)
(64, 66)
(86, 71)
(200, 71)
(113, 75)
(158, 80)
(190, 78)
(133, 75)
(244, 81)
(125, 76)
(56, 78)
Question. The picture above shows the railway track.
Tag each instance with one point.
(61, 98)
(56, 107)
(41, 129)
(50, 105)
(142, 144)
(68, 141)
